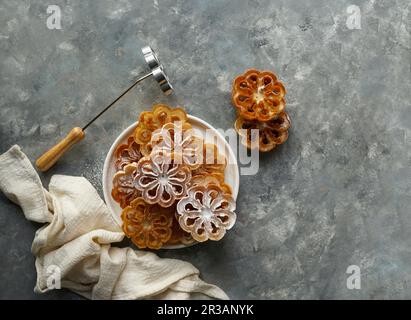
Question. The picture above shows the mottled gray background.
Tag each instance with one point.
(337, 193)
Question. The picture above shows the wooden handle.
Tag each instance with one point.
(49, 158)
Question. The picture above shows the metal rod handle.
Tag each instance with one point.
(118, 98)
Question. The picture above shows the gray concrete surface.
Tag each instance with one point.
(337, 193)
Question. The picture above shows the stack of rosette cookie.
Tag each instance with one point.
(259, 99)
(170, 183)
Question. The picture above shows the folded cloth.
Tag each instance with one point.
(76, 240)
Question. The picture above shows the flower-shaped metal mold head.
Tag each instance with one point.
(161, 180)
(258, 95)
(178, 138)
(127, 153)
(206, 212)
(148, 226)
(124, 190)
(270, 134)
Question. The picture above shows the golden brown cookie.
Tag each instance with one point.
(209, 179)
(148, 226)
(212, 161)
(127, 153)
(270, 133)
(124, 190)
(258, 95)
(150, 121)
(179, 236)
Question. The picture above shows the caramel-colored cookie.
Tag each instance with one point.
(127, 153)
(179, 236)
(212, 161)
(270, 134)
(124, 190)
(148, 226)
(209, 179)
(150, 121)
(258, 95)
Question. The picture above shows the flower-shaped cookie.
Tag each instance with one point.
(148, 226)
(258, 95)
(270, 133)
(127, 153)
(142, 134)
(211, 178)
(164, 114)
(179, 236)
(161, 180)
(206, 212)
(124, 190)
(155, 119)
(178, 138)
(213, 161)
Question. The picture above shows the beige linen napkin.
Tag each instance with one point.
(77, 239)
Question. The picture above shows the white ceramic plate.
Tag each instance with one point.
(232, 177)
